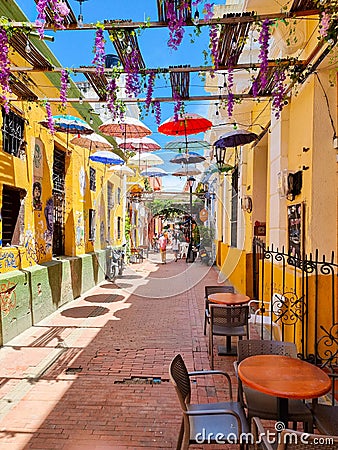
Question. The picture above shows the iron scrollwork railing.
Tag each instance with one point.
(302, 299)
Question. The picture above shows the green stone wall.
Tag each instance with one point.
(30, 295)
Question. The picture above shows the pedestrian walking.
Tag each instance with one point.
(176, 246)
(163, 248)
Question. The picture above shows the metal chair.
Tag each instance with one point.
(325, 415)
(263, 405)
(208, 423)
(213, 290)
(290, 439)
(227, 320)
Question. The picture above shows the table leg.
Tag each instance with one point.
(282, 410)
(227, 350)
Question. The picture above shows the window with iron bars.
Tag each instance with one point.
(12, 133)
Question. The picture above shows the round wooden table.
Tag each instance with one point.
(284, 377)
(228, 298)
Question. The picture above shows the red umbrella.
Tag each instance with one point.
(187, 123)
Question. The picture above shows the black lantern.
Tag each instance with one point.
(219, 154)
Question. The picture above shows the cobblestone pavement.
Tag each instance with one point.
(94, 375)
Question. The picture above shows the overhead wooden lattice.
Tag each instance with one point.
(20, 89)
(70, 19)
(270, 82)
(162, 10)
(19, 41)
(125, 41)
(303, 5)
(180, 84)
(231, 41)
(98, 82)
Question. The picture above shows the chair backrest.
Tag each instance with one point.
(229, 315)
(179, 377)
(215, 289)
(251, 347)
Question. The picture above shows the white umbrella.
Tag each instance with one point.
(154, 172)
(145, 159)
(126, 128)
(122, 170)
(92, 141)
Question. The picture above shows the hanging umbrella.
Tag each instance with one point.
(122, 170)
(192, 145)
(125, 129)
(145, 159)
(92, 141)
(70, 124)
(106, 157)
(187, 172)
(187, 158)
(144, 144)
(154, 172)
(187, 123)
(235, 138)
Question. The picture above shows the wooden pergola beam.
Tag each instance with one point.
(121, 24)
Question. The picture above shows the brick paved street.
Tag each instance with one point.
(94, 375)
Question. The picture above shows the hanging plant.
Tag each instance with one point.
(116, 106)
(132, 77)
(325, 20)
(178, 104)
(59, 12)
(278, 92)
(50, 120)
(4, 68)
(64, 87)
(207, 11)
(231, 97)
(213, 35)
(157, 108)
(99, 50)
(263, 39)
(176, 22)
(150, 89)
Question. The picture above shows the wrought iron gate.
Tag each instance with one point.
(58, 202)
(301, 295)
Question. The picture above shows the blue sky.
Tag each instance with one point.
(74, 49)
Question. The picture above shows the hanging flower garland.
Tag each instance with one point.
(207, 11)
(325, 20)
(231, 97)
(116, 106)
(132, 77)
(150, 89)
(263, 39)
(213, 35)
(50, 120)
(4, 68)
(278, 92)
(157, 107)
(99, 50)
(176, 22)
(59, 11)
(178, 105)
(64, 87)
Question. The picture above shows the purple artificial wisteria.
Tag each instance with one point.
(157, 108)
(176, 22)
(208, 12)
(4, 68)
(132, 76)
(115, 106)
(213, 34)
(263, 39)
(231, 97)
(64, 87)
(99, 51)
(59, 11)
(150, 89)
(324, 25)
(50, 120)
(278, 92)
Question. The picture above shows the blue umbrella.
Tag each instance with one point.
(106, 157)
(70, 124)
(154, 172)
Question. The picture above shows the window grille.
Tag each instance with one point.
(92, 225)
(119, 228)
(58, 202)
(92, 179)
(12, 133)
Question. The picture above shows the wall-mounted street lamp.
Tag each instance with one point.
(190, 253)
